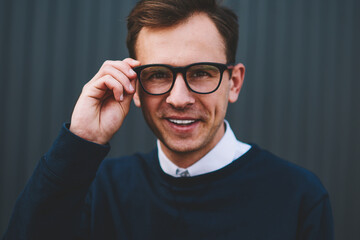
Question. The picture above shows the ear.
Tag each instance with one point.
(136, 97)
(236, 81)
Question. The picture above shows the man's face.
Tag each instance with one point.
(187, 124)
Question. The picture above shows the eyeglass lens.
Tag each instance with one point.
(200, 78)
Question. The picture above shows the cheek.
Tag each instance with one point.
(215, 106)
(149, 104)
(220, 103)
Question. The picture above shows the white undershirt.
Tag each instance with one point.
(227, 150)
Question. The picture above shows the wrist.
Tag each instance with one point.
(87, 135)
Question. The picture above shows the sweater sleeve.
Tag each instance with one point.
(318, 223)
(50, 206)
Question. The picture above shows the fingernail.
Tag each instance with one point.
(132, 72)
(131, 88)
(121, 97)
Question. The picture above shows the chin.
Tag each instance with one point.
(183, 146)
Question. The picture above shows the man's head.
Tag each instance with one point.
(166, 13)
(188, 124)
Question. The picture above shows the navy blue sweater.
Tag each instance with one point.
(258, 196)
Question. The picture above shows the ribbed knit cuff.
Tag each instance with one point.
(73, 159)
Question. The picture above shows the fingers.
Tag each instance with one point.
(117, 76)
(108, 82)
(122, 78)
(118, 70)
(132, 62)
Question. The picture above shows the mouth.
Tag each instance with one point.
(183, 125)
(182, 122)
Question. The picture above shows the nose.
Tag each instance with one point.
(180, 95)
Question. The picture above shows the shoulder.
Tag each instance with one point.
(126, 166)
(286, 176)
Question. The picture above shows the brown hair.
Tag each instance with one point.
(166, 13)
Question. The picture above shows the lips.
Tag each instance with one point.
(188, 121)
(182, 125)
(182, 121)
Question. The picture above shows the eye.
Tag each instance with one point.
(155, 74)
(159, 75)
(201, 74)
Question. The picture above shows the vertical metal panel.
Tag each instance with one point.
(300, 98)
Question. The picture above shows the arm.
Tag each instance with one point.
(50, 205)
(318, 222)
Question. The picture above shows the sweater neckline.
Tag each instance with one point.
(203, 178)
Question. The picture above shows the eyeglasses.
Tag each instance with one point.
(202, 77)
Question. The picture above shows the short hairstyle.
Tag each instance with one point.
(166, 13)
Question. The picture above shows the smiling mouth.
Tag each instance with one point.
(181, 122)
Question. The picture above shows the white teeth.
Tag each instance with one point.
(181, 122)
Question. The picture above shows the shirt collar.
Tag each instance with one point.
(226, 151)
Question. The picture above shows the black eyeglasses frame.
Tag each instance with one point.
(175, 70)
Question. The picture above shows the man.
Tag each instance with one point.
(200, 182)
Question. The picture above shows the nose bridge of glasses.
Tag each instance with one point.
(183, 84)
(180, 94)
(180, 79)
(179, 71)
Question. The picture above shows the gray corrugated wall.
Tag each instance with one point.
(300, 98)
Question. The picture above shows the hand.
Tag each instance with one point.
(105, 101)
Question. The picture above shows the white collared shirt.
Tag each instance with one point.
(227, 150)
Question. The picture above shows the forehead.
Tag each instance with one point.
(194, 40)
